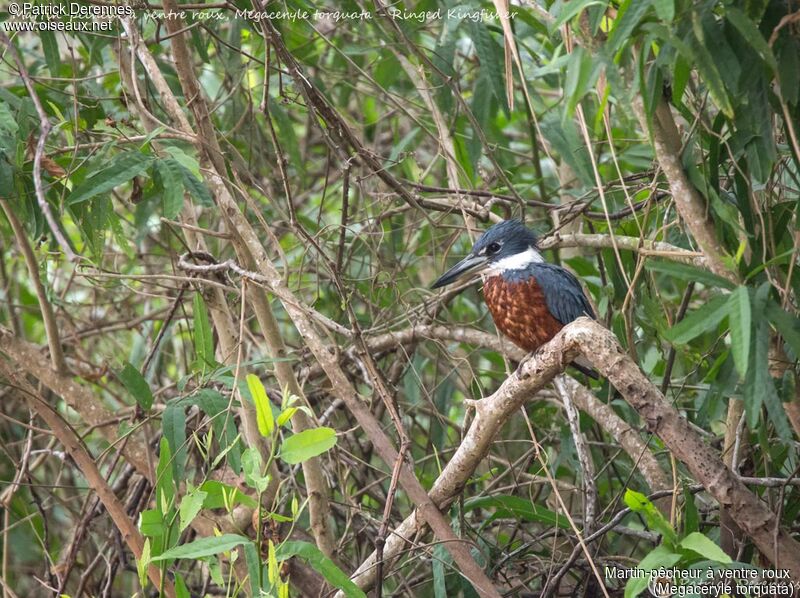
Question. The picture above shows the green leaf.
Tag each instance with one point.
(8, 121)
(203, 547)
(740, 319)
(699, 321)
(253, 567)
(135, 383)
(171, 173)
(165, 480)
(629, 15)
(120, 169)
(143, 563)
(50, 48)
(306, 444)
(787, 325)
(181, 591)
(321, 564)
(190, 506)
(665, 9)
(689, 274)
(490, 57)
(173, 424)
(253, 469)
(439, 583)
(215, 499)
(639, 503)
(697, 542)
(515, 506)
(266, 424)
(789, 69)
(286, 416)
(703, 59)
(747, 28)
(582, 72)
(680, 77)
(691, 519)
(660, 556)
(203, 341)
(151, 523)
(759, 388)
(570, 10)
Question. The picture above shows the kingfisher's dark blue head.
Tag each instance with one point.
(508, 245)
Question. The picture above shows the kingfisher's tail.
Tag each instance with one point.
(582, 365)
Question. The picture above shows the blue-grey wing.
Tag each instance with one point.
(562, 292)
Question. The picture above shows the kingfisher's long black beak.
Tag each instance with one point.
(471, 264)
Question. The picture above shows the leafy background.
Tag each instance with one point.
(571, 150)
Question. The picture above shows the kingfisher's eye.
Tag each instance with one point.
(493, 247)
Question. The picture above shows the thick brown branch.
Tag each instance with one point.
(599, 345)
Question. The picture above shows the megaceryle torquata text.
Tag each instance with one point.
(530, 300)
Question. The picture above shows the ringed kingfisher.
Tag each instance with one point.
(530, 300)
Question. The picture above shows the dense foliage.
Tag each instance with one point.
(652, 143)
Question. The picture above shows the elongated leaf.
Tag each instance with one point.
(740, 319)
(172, 180)
(321, 564)
(203, 547)
(286, 416)
(571, 9)
(639, 503)
(165, 479)
(582, 72)
(439, 585)
(515, 506)
(665, 9)
(190, 507)
(787, 325)
(789, 69)
(747, 28)
(266, 423)
(699, 321)
(491, 60)
(173, 423)
(306, 444)
(759, 388)
(120, 169)
(629, 15)
(704, 62)
(50, 47)
(143, 563)
(135, 383)
(181, 591)
(197, 188)
(215, 495)
(702, 545)
(660, 556)
(253, 567)
(689, 273)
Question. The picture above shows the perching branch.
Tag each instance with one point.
(599, 345)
